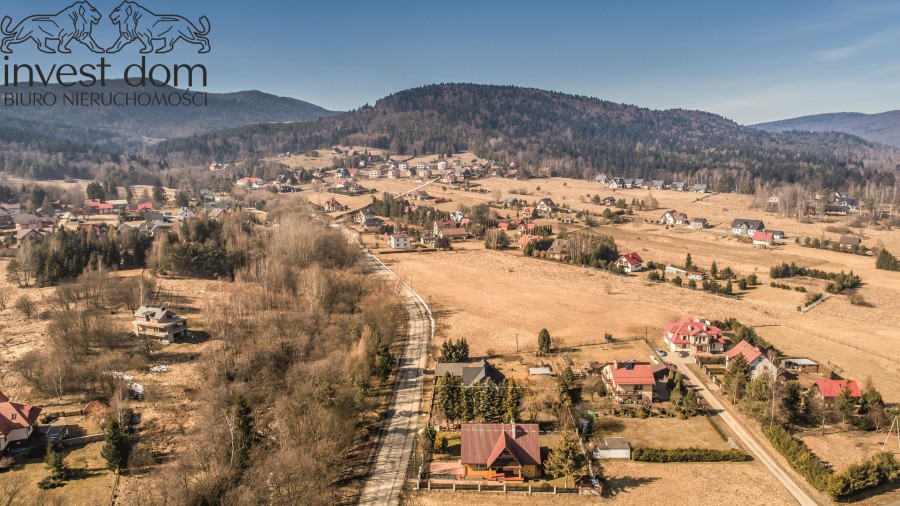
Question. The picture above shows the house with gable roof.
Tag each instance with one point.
(629, 381)
(17, 421)
(631, 262)
(500, 451)
(757, 361)
(159, 323)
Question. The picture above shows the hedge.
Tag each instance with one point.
(687, 455)
(881, 468)
(711, 359)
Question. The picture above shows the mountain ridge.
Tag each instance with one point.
(131, 126)
(883, 127)
(566, 134)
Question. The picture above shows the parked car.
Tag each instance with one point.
(683, 354)
(660, 352)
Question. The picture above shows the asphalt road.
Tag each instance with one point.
(395, 447)
(746, 439)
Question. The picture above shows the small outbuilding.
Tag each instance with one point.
(613, 448)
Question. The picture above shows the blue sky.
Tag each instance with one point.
(749, 61)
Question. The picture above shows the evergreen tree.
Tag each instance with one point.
(95, 191)
(792, 399)
(116, 446)
(159, 193)
(736, 377)
(887, 261)
(688, 263)
(714, 270)
(244, 424)
(544, 342)
(512, 399)
(448, 396)
(566, 458)
(845, 404)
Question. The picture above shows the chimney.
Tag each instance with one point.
(512, 422)
(12, 416)
(615, 364)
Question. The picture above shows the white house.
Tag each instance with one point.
(547, 206)
(743, 226)
(631, 262)
(443, 165)
(185, 213)
(673, 217)
(399, 241)
(613, 448)
(756, 359)
(17, 421)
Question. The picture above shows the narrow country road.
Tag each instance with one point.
(747, 441)
(398, 434)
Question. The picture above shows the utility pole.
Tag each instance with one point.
(517, 340)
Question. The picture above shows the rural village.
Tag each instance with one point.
(612, 336)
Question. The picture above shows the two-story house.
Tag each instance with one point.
(694, 336)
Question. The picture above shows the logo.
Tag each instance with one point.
(136, 22)
(75, 22)
(54, 32)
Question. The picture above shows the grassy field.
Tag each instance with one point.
(658, 432)
(91, 483)
(640, 483)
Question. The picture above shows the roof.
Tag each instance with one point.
(616, 443)
(402, 235)
(763, 236)
(850, 240)
(161, 314)
(631, 373)
(470, 374)
(16, 416)
(746, 349)
(632, 258)
(698, 220)
(483, 443)
(800, 361)
(690, 327)
(751, 224)
(540, 371)
(832, 388)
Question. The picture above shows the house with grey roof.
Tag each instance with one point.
(471, 375)
(159, 323)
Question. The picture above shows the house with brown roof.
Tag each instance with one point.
(528, 213)
(673, 217)
(699, 223)
(500, 451)
(17, 421)
(694, 336)
(159, 323)
(629, 381)
(757, 361)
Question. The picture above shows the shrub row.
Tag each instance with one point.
(711, 359)
(881, 468)
(801, 289)
(687, 455)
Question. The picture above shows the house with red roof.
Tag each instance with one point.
(629, 381)
(527, 228)
(333, 205)
(763, 239)
(631, 262)
(500, 451)
(694, 336)
(248, 181)
(829, 390)
(97, 207)
(17, 421)
(757, 361)
(525, 239)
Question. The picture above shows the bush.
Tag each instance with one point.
(687, 455)
(6, 463)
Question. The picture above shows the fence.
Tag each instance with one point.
(822, 299)
(498, 488)
(91, 438)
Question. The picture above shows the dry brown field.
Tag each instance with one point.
(488, 297)
(642, 483)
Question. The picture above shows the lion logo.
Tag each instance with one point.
(138, 23)
(75, 22)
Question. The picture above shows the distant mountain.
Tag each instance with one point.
(565, 134)
(882, 127)
(129, 126)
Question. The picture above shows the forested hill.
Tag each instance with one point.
(130, 126)
(882, 127)
(569, 135)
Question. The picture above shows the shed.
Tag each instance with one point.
(801, 365)
(540, 371)
(613, 448)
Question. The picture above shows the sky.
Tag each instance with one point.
(749, 61)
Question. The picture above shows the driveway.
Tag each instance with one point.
(746, 439)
